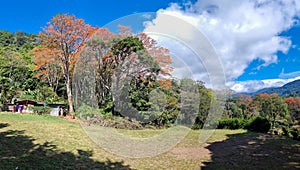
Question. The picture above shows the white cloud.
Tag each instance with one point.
(254, 85)
(240, 30)
(289, 75)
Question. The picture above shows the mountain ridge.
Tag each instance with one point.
(291, 89)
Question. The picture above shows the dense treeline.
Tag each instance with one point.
(18, 77)
(273, 107)
(282, 113)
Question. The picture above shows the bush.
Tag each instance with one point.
(234, 123)
(41, 110)
(86, 112)
(285, 131)
(197, 126)
(296, 133)
(258, 124)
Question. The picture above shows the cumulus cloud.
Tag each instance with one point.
(240, 31)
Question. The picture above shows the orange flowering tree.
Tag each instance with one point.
(62, 40)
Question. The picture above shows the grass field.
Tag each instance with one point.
(44, 142)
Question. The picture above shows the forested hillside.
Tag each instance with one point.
(291, 89)
(18, 74)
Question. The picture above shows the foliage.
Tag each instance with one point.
(206, 99)
(85, 112)
(96, 116)
(133, 76)
(62, 41)
(294, 108)
(258, 124)
(126, 62)
(295, 132)
(273, 107)
(18, 41)
(41, 110)
(42, 94)
(189, 101)
(16, 66)
(234, 123)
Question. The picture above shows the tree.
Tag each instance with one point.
(66, 34)
(244, 103)
(189, 101)
(47, 67)
(19, 41)
(160, 55)
(97, 54)
(273, 107)
(6, 38)
(15, 74)
(125, 62)
(127, 68)
(294, 107)
(206, 96)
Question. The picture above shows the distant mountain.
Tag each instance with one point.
(289, 89)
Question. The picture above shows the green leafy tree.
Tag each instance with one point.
(206, 96)
(273, 107)
(16, 74)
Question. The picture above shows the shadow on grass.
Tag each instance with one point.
(254, 151)
(18, 151)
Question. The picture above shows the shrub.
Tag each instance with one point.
(85, 112)
(234, 123)
(197, 126)
(296, 133)
(41, 110)
(285, 131)
(258, 124)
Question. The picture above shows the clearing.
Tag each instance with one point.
(45, 142)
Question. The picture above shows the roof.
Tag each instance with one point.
(25, 102)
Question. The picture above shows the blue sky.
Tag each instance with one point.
(270, 55)
(31, 15)
(289, 62)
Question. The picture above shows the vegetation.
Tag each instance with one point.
(41, 110)
(259, 124)
(133, 81)
(233, 123)
(60, 43)
(124, 80)
(262, 113)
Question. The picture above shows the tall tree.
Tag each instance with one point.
(66, 34)
(15, 74)
(47, 67)
(125, 55)
(97, 53)
(294, 107)
(273, 107)
(160, 55)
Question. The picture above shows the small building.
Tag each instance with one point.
(57, 109)
(26, 105)
(26, 102)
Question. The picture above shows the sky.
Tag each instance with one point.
(256, 41)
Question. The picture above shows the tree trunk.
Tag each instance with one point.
(70, 99)
(273, 123)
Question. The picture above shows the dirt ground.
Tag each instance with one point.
(256, 151)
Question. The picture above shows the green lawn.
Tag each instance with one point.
(44, 142)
